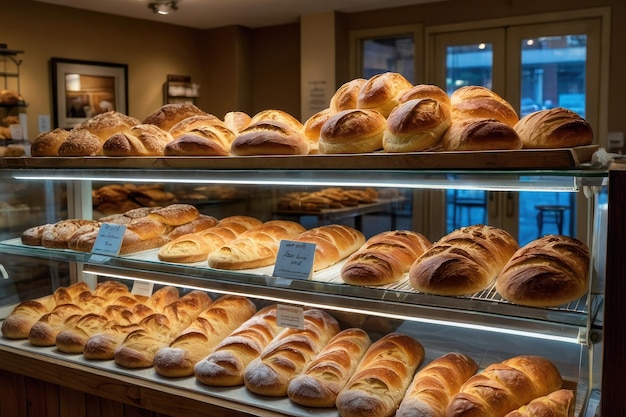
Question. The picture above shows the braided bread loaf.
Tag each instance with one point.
(559, 403)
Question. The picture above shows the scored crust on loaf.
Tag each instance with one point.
(48, 143)
(554, 128)
(332, 243)
(416, 125)
(346, 96)
(140, 140)
(236, 121)
(480, 134)
(382, 91)
(426, 91)
(463, 262)
(169, 114)
(270, 137)
(353, 131)
(547, 272)
(480, 102)
(560, 403)
(313, 126)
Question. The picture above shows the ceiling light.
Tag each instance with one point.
(163, 7)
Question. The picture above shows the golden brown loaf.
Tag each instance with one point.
(480, 134)
(503, 387)
(353, 131)
(416, 125)
(255, 248)
(80, 142)
(312, 128)
(59, 235)
(323, 378)
(382, 377)
(420, 91)
(175, 214)
(74, 338)
(382, 91)
(225, 365)
(288, 354)
(199, 224)
(18, 323)
(270, 137)
(434, 385)
(559, 403)
(464, 261)
(475, 101)
(547, 272)
(333, 243)
(45, 330)
(196, 122)
(140, 140)
(272, 115)
(168, 115)
(346, 96)
(384, 258)
(554, 128)
(200, 135)
(194, 343)
(236, 121)
(48, 143)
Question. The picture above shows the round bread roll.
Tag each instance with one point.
(416, 125)
(548, 272)
(554, 128)
(381, 92)
(463, 262)
(169, 114)
(236, 121)
(277, 116)
(353, 131)
(476, 101)
(346, 96)
(425, 91)
(270, 137)
(141, 140)
(80, 142)
(10, 97)
(48, 143)
(105, 125)
(313, 126)
(480, 135)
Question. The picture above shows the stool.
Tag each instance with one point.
(552, 213)
(466, 202)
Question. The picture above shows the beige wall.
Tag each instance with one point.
(238, 68)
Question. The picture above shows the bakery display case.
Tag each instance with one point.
(483, 325)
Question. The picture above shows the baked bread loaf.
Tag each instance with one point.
(434, 385)
(416, 125)
(353, 131)
(74, 338)
(323, 378)
(503, 387)
(140, 140)
(237, 121)
(559, 403)
(463, 262)
(421, 91)
(48, 143)
(554, 128)
(175, 214)
(547, 272)
(475, 101)
(168, 115)
(45, 330)
(346, 96)
(200, 135)
(480, 134)
(195, 122)
(381, 92)
(279, 116)
(59, 235)
(194, 343)
(333, 243)
(382, 377)
(199, 224)
(270, 137)
(80, 142)
(312, 128)
(18, 323)
(255, 248)
(384, 258)
(288, 354)
(225, 365)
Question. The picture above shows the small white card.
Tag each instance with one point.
(290, 316)
(294, 260)
(109, 239)
(144, 288)
(17, 133)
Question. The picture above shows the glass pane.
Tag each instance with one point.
(390, 54)
(553, 73)
(469, 65)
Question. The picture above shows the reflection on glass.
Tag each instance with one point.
(389, 54)
(89, 95)
(553, 73)
(469, 65)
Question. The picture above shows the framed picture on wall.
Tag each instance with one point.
(83, 89)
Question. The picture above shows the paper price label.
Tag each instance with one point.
(290, 316)
(294, 260)
(109, 239)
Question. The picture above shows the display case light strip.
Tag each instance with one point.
(359, 311)
(429, 184)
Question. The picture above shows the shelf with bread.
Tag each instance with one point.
(414, 299)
